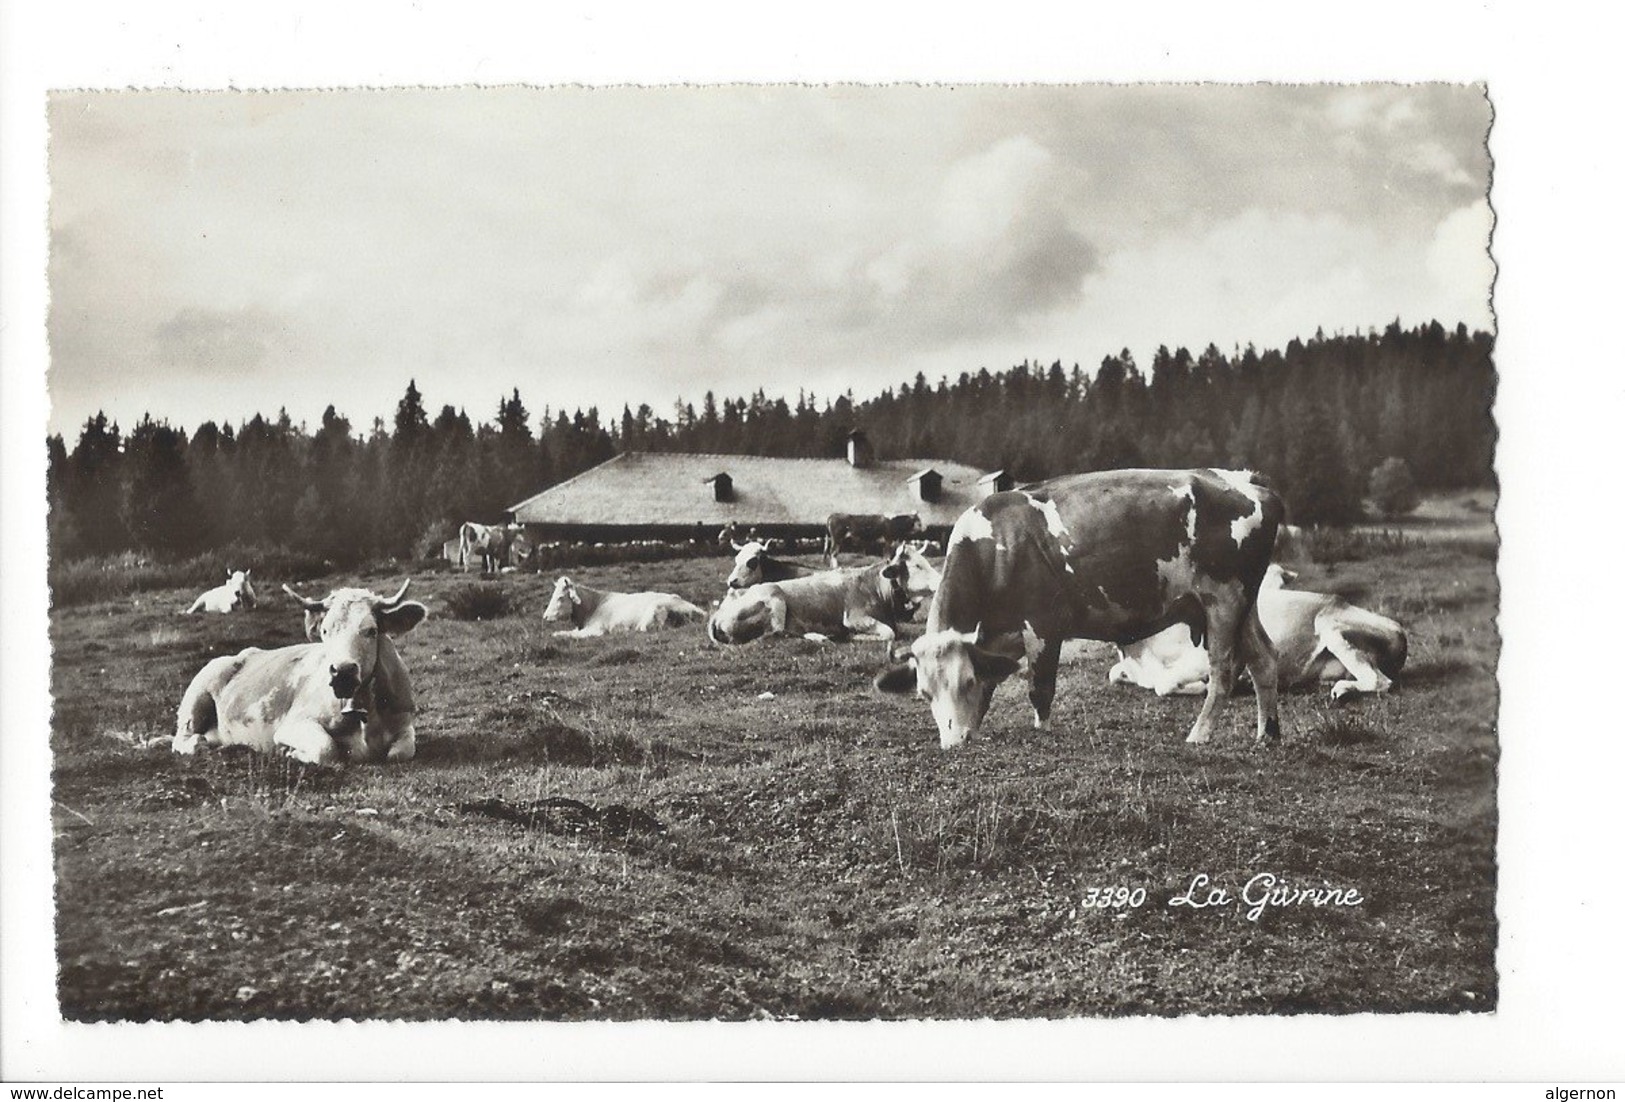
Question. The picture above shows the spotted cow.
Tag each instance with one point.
(848, 603)
(488, 544)
(753, 565)
(1318, 638)
(868, 530)
(343, 696)
(1113, 555)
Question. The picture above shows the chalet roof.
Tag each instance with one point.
(642, 488)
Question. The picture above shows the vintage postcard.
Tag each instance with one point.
(772, 553)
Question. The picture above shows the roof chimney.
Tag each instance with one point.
(859, 452)
(722, 486)
(927, 485)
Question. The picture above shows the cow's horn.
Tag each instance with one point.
(390, 602)
(309, 604)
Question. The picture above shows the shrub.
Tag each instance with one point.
(82, 581)
(480, 601)
(1392, 488)
(1332, 545)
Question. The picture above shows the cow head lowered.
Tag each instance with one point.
(350, 625)
(956, 674)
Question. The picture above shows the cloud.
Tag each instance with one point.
(599, 246)
(207, 340)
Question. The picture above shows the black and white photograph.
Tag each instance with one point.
(773, 552)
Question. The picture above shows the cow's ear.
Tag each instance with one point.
(313, 624)
(900, 678)
(990, 665)
(402, 618)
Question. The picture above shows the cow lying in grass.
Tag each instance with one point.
(1318, 638)
(596, 612)
(753, 565)
(344, 696)
(850, 603)
(237, 592)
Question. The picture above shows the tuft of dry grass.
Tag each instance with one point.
(479, 601)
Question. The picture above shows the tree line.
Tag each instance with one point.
(1316, 417)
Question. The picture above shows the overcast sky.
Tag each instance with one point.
(216, 254)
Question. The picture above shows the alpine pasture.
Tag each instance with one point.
(652, 826)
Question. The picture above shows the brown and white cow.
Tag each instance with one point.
(868, 530)
(1318, 638)
(852, 603)
(489, 543)
(344, 696)
(753, 565)
(237, 592)
(592, 612)
(1114, 555)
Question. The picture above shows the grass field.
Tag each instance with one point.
(654, 827)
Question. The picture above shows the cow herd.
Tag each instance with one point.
(1174, 567)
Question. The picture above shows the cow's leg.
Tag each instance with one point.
(1223, 632)
(1366, 678)
(404, 747)
(1265, 670)
(380, 742)
(1045, 664)
(778, 615)
(197, 717)
(307, 741)
(867, 627)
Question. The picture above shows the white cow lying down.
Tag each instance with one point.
(343, 696)
(237, 592)
(1318, 637)
(599, 612)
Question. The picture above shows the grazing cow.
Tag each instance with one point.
(1115, 555)
(488, 542)
(596, 612)
(237, 592)
(852, 603)
(753, 566)
(868, 530)
(344, 696)
(1318, 638)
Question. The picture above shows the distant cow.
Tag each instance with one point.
(856, 602)
(486, 542)
(237, 592)
(595, 612)
(868, 530)
(1115, 555)
(753, 565)
(344, 696)
(1318, 638)
(735, 536)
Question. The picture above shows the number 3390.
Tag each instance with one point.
(1107, 899)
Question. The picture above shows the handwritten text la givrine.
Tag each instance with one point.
(1260, 893)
